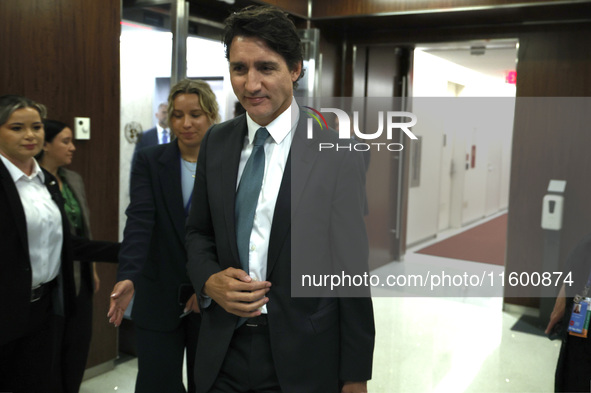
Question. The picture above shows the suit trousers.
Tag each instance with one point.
(573, 373)
(31, 354)
(160, 357)
(74, 336)
(248, 366)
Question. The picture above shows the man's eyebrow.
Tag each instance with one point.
(266, 63)
(256, 63)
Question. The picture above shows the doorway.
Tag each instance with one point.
(464, 97)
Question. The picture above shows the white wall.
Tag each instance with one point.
(146, 55)
(206, 58)
(423, 201)
(450, 195)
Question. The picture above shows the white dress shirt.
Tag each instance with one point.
(277, 148)
(160, 132)
(44, 222)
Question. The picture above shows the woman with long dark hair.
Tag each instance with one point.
(75, 331)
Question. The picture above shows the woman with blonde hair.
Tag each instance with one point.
(153, 257)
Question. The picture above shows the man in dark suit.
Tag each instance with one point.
(573, 369)
(254, 335)
(156, 135)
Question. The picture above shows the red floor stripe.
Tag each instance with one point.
(484, 243)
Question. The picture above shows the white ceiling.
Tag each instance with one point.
(499, 56)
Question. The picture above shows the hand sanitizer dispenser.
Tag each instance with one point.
(552, 212)
(553, 205)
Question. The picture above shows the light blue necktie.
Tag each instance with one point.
(247, 195)
(164, 136)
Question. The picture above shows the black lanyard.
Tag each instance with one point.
(583, 294)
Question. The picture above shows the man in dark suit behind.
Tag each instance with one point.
(254, 335)
(156, 135)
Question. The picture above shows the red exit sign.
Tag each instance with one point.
(511, 77)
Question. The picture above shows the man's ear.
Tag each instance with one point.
(297, 70)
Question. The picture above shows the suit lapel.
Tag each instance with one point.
(297, 170)
(66, 277)
(16, 205)
(281, 218)
(233, 145)
(154, 137)
(77, 187)
(303, 156)
(172, 193)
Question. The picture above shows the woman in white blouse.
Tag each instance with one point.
(37, 250)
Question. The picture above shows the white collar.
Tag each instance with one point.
(160, 129)
(16, 173)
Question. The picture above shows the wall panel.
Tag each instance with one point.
(552, 63)
(65, 54)
(296, 7)
(340, 8)
(379, 71)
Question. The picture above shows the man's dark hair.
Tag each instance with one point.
(272, 26)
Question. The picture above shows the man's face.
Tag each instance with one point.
(161, 115)
(260, 78)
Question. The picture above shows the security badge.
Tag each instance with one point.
(580, 315)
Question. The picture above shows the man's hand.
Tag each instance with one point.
(120, 298)
(354, 387)
(558, 310)
(192, 304)
(237, 293)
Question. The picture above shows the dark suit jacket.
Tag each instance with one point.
(317, 343)
(76, 184)
(149, 138)
(577, 361)
(15, 268)
(153, 252)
